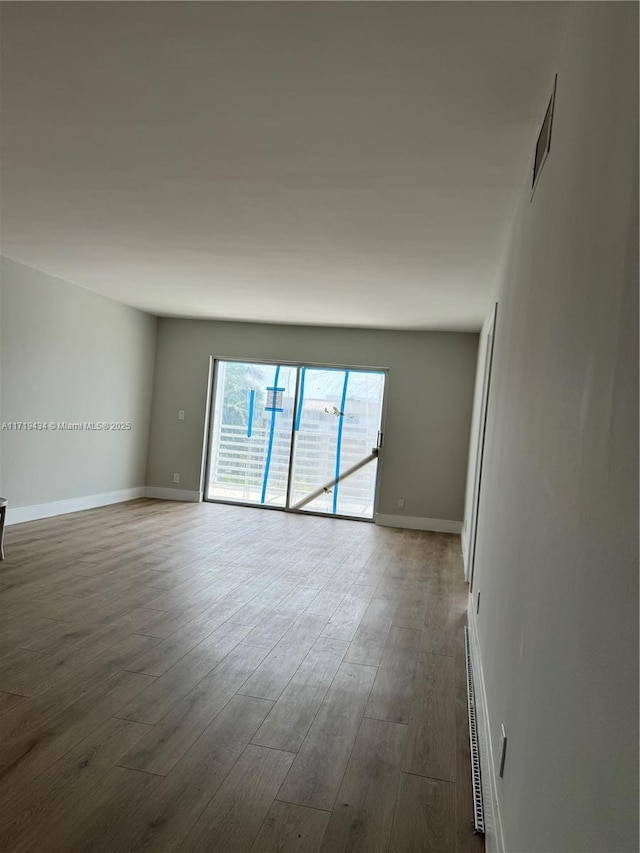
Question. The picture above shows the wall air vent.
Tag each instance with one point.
(543, 143)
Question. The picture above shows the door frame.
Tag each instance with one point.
(482, 429)
(212, 387)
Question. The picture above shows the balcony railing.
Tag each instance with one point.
(237, 468)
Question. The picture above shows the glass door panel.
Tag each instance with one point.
(251, 432)
(338, 418)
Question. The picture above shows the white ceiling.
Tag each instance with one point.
(332, 163)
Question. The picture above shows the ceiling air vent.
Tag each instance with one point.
(543, 143)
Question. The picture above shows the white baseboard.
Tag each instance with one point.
(20, 514)
(437, 525)
(172, 494)
(494, 840)
(464, 544)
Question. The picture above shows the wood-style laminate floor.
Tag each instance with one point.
(213, 678)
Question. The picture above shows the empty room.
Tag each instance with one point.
(319, 426)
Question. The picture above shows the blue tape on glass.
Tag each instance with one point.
(274, 399)
(267, 463)
(300, 399)
(252, 402)
(343, 403)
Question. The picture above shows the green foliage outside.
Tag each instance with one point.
(240, 379)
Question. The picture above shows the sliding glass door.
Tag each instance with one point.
(250, 444)
(295, 437)
(338, 419)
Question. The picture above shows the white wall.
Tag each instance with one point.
(430, 390)
(557, 563)
(72, 356)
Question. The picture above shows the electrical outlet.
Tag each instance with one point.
(181, 414)
(400, 503)
(176, 478)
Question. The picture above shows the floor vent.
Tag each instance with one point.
(476, 781)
